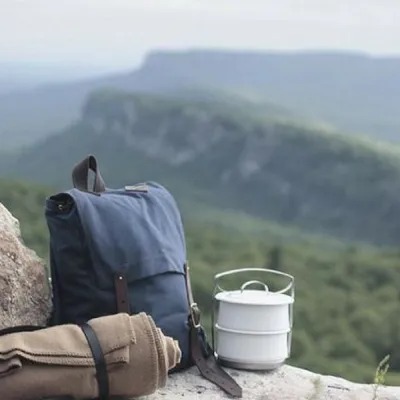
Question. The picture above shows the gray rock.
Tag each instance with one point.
(285, 383)
(25, 293)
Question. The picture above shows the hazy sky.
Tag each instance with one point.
(117, 33)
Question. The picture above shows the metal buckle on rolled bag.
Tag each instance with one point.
(253, 327)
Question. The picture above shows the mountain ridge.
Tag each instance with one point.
(356, 93)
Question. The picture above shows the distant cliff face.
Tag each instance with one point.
(174, 133)
(180, 132)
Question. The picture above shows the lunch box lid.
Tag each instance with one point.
(254, 297)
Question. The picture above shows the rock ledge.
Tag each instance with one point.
(285, 383)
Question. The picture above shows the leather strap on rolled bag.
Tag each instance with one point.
(202, 354)
(99, 360)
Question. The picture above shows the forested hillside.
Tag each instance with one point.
(231, 158)
(346, 300)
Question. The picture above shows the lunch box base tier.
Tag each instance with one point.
(250, 366)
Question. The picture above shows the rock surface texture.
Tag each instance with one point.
(25, 299)
(24, 291)
(285, 383)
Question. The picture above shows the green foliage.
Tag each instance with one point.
(382, 370)
(346, 298)
(380, 374)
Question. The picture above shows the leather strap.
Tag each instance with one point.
(121, 291)
(80, 174)
(202, 354)
(100, 363)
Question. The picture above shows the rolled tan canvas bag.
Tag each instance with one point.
(58, 361)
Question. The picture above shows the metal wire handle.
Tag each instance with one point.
(252, 283)
(236, 271)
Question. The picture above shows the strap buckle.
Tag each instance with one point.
(195, 315)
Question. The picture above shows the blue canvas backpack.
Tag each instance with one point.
(124, 250)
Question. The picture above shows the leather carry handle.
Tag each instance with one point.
(80, 174)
